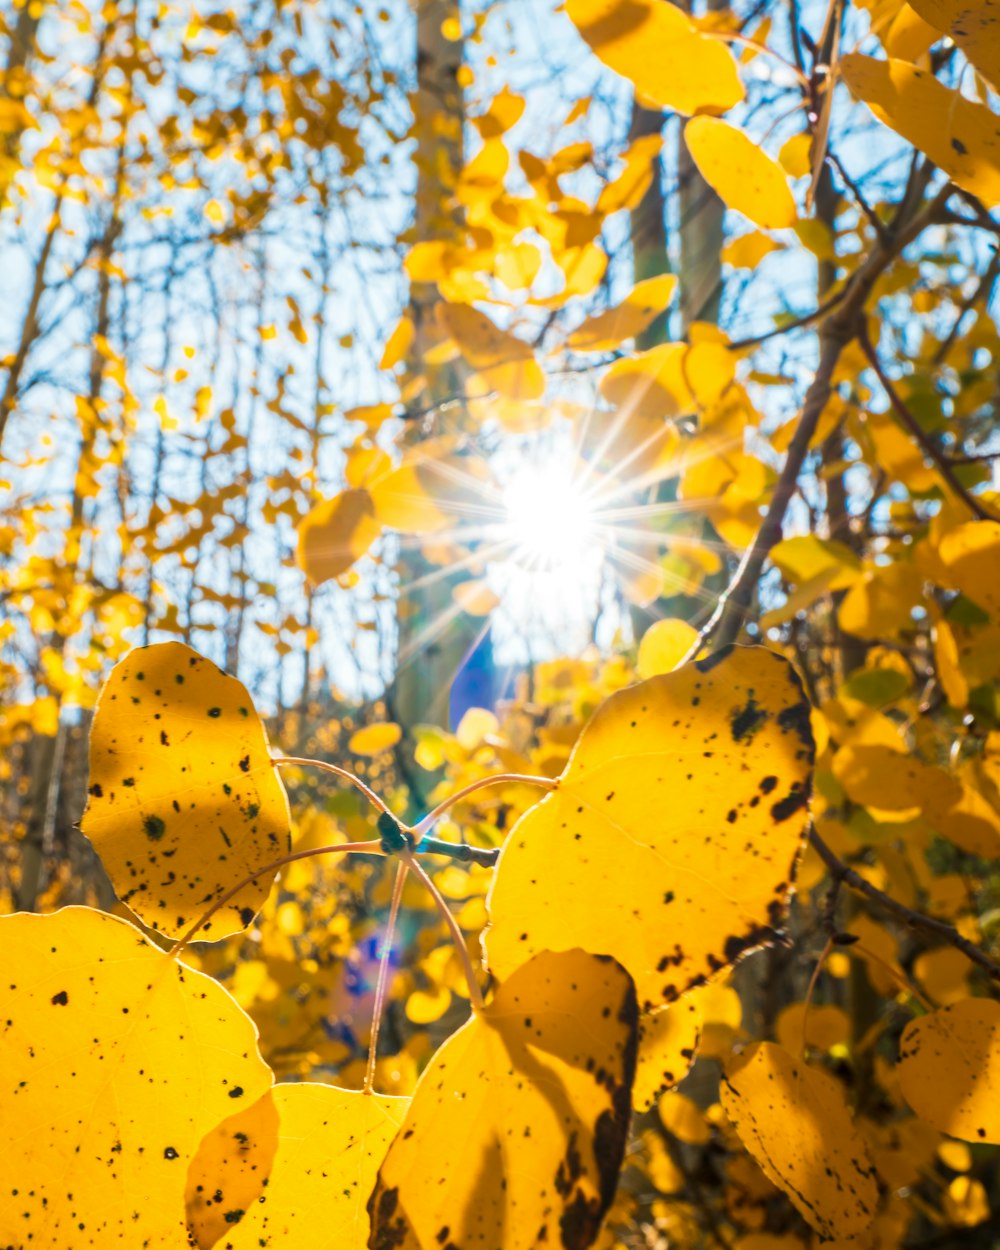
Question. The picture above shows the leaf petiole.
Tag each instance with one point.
(427, 822)
(382, 983)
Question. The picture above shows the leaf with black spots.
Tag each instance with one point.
(184, 800)
(671, 839)
(517, 1127)
(794, 1121)
(115, 1061)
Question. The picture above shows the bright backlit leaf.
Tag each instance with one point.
(668, 1043)
(230, 1170)
(669, 380)
(971, 555)
(609, 329)
(335, 534)
(658, 48)
(663, 646)
(794, 1121)
(949, 1069)
(974, 25)
(374, 739)
(115, 1061)
(962, 137)
(517, 1128)
(325, 1148)
(184, 800)
(684, 803)
(741, 173)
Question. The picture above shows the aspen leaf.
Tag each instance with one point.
(794, 1121)
(974, 25)
(116, 1061)
(961, 137)
(184, 802)
(480, 340)
(326, 1147)
(668, 1042)
(663, 646)
(230, 1170)
(684, 1119)
(374, 739)
(636, 311)
(336, 533)
(660, 50)
(517, 1127)
(742, 174)
(684, 802)
(669, 379)
(971, 555)
(949, 1069)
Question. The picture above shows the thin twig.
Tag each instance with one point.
(914, 919)
(428, 821)
(382, 982)
(337, 772)
(367, 848)
(458, 937)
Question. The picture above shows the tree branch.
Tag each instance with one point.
(841, 873)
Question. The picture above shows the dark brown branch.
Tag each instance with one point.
(838, 329)
(840, 872)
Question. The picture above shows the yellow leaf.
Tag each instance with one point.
(748, 250)
(970, 555)
(795, 1123)
(374, 739)
(795, 155)
(424, 1007)
(329, 1144)
(230, 1170)
(655, 45)
(742, 174)
(949, 1069)
(335, 534)
(115, 1062)
(636, 311)
(684, 1119)
(663, 646)
(480, 340)
(399, 343)
(670, 379)
(684, 802)
(974, 25)
(961, 137)
(826, 1026)
(184, 800)
(966, 1202)
(517, 1127)
(668, 1042)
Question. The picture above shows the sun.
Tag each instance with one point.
(549, 521)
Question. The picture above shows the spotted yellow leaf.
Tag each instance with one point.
(974, 25)
(668, 1043)
(184, 802)
(675, 828)
(740, 172)
(961, 137)
(659, 49)
(517, 1127)
(230, 1170)
(324, 1148)
(115, 1061)
(949, 1069)
(794, 1121)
